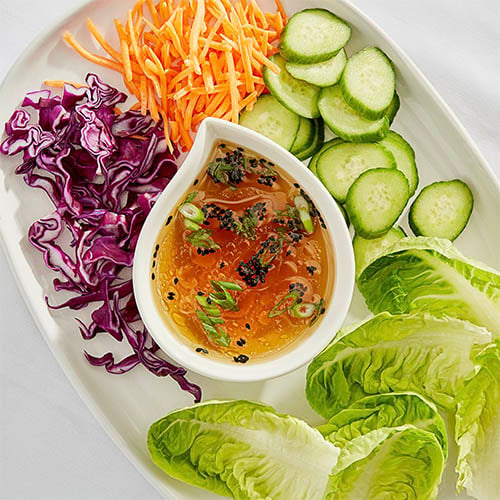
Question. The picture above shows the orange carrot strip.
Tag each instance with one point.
(175, 39)
(143, 95)
(208, 80)
(233, 86)
(102, 61)
(247, 64)
(259, 14)
(188, 115)
(281, 10)
(62, 83)
(215, 103)
(265, 61)
(154, 13)
(195, 34)
(127, 66)
(101, 40)
(153, 108)
(210, 36)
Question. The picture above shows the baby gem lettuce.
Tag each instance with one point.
(243, 449)
(408, 352)
(431, 275)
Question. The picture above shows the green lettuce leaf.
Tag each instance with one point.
(477, 428)
(243, 449)
(430, 274)
(410, 352)
(380, 411)
(404, 463)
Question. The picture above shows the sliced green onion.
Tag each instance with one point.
(192, 226)
(210, 309)
(192, 212)
(305, 216)
(228, 285)
(303, 310)
(277, 309)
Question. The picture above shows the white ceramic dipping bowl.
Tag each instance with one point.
(300, 352)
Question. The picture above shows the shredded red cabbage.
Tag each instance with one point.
(103, 172)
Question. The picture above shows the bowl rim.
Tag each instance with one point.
(211, 131)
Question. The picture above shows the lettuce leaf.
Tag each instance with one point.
(385, 411)
(430, 274)
(243, 449)
(404, 463)
(477, 428)
(411, 352)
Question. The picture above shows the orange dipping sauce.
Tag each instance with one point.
(246, 232)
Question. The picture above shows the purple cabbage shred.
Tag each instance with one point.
(103, 172)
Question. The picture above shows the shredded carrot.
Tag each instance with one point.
(62, 83)
(190, 59)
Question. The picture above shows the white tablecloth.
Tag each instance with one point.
(50, 445)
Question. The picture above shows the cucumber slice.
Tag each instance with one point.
(366, 251)
(319, 139)
(376, 200)
(296, 95)
(270, 118)
(393, 108)
(314, 160)
(368, 82)
(405, 158)
(341, 164)
(304, 137)
(313, 35)
(442, 209)
(345, 122)
(323, 74)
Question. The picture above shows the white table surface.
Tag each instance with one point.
(51, 447)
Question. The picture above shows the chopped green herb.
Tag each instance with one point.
(289, 301)
(231, 169)
(320, 309)
(210, 314)
(217, 334)
(202, 238)
(222, 297)
(227, 285)
(247, 223)
(192, 226)
(191, 196)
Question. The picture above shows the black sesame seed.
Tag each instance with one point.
(157, 247)
(209, 300)
(247, 326)
(295, 185)
(311, 269)
(222, 264)
(176, 280)
(154, 263)
(169, 220)
(152, 276)
(222, 146)
(201, 294)
(202, 350)
(241, 358)
(195, 182)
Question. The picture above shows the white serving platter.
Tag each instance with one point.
(128, 404)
